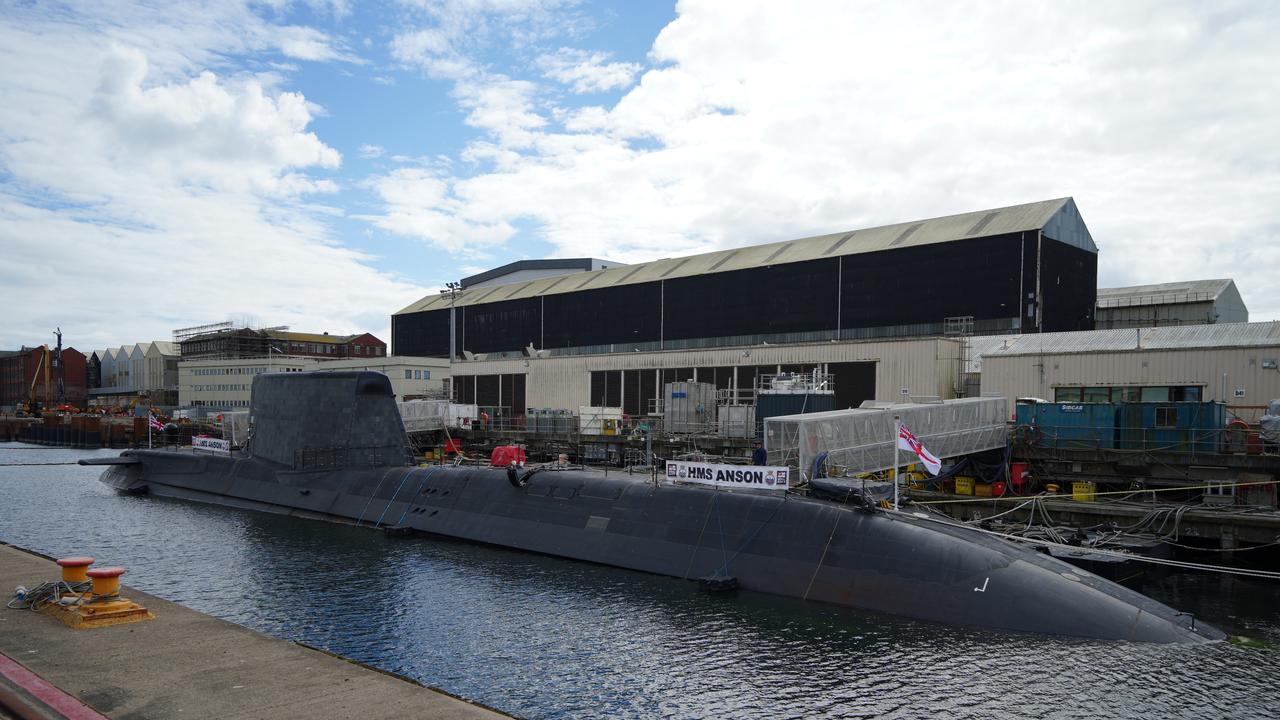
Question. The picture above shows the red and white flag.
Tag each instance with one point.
(155, 423)
(908, 441)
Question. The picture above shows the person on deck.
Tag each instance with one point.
(759, 456)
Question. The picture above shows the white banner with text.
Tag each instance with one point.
(756, 477)
(211, 445)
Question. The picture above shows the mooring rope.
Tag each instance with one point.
(1247, 572)
(1020, 498)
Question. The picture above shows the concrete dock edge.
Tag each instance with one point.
(187, 664)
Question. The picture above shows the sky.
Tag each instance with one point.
(322, 164)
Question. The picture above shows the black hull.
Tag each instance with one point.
(888, 562)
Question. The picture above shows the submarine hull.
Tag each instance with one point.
(891, 562)
(332, 445)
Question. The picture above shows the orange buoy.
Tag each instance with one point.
(106, 582)
(74, 569)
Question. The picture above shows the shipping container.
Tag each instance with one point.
(1173, 426)
(1169, 426)
(1068, 425)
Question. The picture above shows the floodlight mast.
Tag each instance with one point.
(451, 289)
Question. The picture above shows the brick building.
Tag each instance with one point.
(23, 375)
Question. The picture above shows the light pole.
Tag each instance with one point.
(272, 349)
(451, 289)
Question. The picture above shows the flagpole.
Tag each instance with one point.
(149, 416)
(897, 433)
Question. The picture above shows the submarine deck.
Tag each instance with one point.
(187, 664)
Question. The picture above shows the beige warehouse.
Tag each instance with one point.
(921, 367)
(1238, 364)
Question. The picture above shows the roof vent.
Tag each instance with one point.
(673, 268)
(776, 253)
(983, 223)
(843, 239)
(722, 261)
(906, 234)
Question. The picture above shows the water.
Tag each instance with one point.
(546, 638)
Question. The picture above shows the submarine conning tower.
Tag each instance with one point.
(325, 420)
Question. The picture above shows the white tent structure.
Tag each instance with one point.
(864, 439)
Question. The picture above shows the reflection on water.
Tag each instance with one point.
(542, 637)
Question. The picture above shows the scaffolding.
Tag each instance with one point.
(862, 440)
(187, 333)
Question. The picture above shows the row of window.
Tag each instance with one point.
(223, 403)
(229, 371)
(417, 374)
(1130, 393)
(219, 388)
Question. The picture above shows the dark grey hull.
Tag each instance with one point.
(887, 562)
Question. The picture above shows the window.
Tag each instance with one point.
(417, 374)
(426, 374)
(408, 374)
(1155, 394)
(1126, 394)
(1186, 393)
(1067, 394)
(1166, 417)
(1097, 395)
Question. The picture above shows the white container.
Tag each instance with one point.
(689, 407)
(462, 416)
(599, 420)
(738, 421)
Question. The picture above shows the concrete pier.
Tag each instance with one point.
(185, 664)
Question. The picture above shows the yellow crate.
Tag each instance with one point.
(982, 490)
(964, 485)
(1083, 491)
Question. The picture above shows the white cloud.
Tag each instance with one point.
(157, 187)
(419, 203)
(204, 131)
(587, 71)
(304, 43)
(369, 152)
(764, 121)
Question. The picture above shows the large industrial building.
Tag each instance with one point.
(614, 337)
(1197, 302)
(1026, 268)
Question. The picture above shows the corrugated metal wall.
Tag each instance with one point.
(926, 366)
(1144, 316)
(1036, 375)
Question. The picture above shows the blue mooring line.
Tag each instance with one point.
(371, 497)
(393, 496)
(421, 482)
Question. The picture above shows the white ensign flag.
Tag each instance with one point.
(908, 441)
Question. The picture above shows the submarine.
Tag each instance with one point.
(331, 445)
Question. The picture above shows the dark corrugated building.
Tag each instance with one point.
(1025, 268)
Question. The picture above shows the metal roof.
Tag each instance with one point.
(1173, 337)
(548, 264)
(982, 223)
(1163, 293)
(310, 337)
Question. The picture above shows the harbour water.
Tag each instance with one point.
(541, 637)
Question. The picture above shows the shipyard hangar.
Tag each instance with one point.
(1021, 269)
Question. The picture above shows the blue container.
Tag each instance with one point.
(1172, 426)
(1068, 425)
